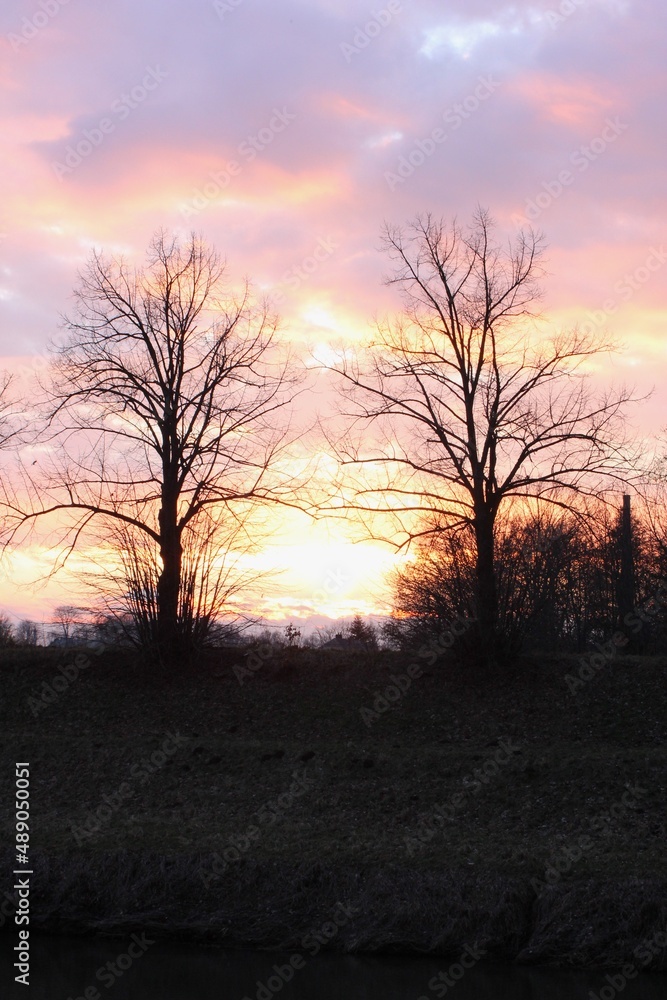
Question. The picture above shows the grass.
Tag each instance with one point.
(354, 830)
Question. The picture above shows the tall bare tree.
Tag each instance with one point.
(215, 578)
(468, 409)
(27, 633)
(535, 557)
(69, 621)
(166, 408)
(7, 633)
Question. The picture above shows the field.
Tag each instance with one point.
(511, 813)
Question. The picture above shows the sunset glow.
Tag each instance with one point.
(286, 134)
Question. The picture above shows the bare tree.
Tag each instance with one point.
(213, 576)
(27, 633)
(164, 408)
(69, 621)
(536, 556)
(469, 410)
(292, 635)
(7, 635)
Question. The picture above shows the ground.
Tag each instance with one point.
(513, 781)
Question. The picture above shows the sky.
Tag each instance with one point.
(287, 132)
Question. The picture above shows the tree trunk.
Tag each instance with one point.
(169, 582)
(487, 594)
(626, 582)
(626, 579)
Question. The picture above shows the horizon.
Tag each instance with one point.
(287, 135)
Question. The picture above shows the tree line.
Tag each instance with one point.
(466, 437)
(564, 583)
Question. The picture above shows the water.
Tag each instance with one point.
(65, 967)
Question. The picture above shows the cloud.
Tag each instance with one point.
(323, 176)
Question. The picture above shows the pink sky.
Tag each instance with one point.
(282, 127)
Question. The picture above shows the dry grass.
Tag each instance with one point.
(345, 837)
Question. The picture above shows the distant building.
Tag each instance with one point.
(64, 642)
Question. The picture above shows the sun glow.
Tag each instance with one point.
(301, 569)
(334, 578)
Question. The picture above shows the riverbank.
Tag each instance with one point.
(241, 808)
(364, 908)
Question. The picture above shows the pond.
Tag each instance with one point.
(135, 968)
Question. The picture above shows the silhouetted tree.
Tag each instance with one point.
(70, 622)
(292, 635)
(363, 632)
(212, 576)
(438, 588)
(558, 579)
(26, 633)
(7, 637)
(469, 408)
(164, 407)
